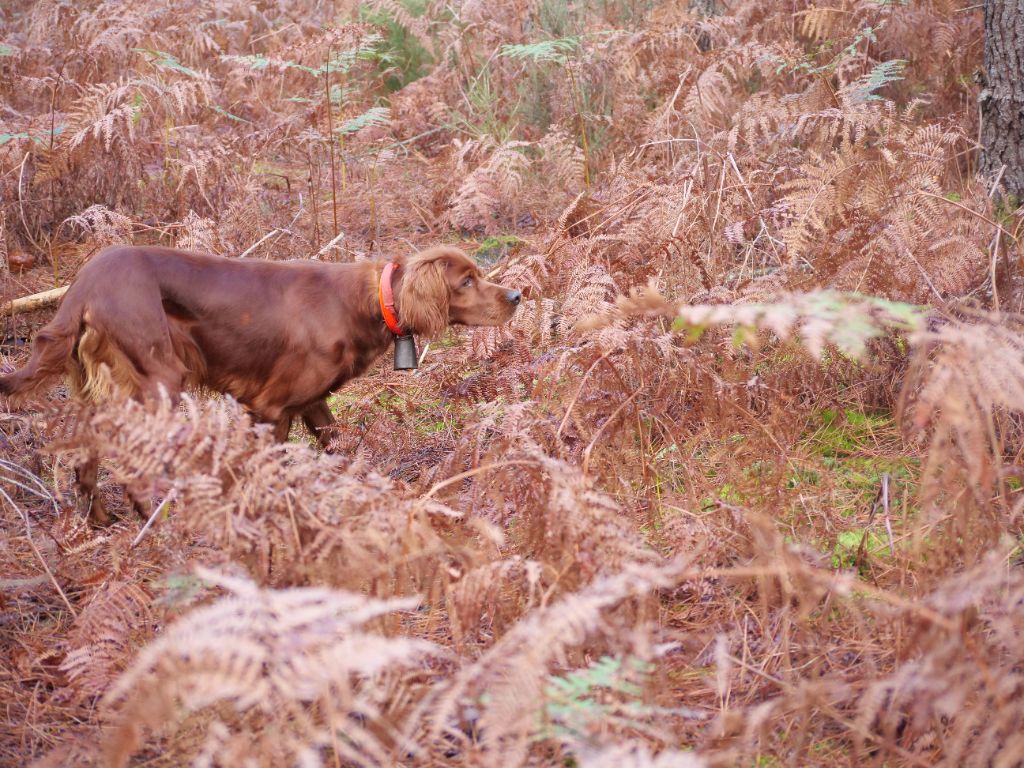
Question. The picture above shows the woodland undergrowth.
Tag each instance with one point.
(739, 485)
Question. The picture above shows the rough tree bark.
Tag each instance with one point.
(1002, 100)
(705, 8)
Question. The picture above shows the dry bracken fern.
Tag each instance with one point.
(298, 661)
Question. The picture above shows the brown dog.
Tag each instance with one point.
(278, 336)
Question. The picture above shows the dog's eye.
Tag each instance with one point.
(467, 283)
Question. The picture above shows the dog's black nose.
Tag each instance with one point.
(514, 296)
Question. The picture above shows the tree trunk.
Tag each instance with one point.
(1002, 100)
(705, 8)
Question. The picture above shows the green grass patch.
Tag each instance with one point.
(401, 56)
(858, 450)
(848, 547)
(495, 248)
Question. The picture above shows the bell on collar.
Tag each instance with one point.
(406, 357)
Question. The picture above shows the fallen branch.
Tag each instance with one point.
(16, 584)
(33, 302)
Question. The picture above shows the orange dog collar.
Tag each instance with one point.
(387, 299)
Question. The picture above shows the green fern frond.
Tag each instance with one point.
(863, 88)
(371, 47)
(368, 49)
(607, 690)
(372, 116)
(556, 50)
(846, 320)
(164, 60)
(258, 62)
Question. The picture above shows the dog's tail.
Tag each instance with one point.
(51, 352)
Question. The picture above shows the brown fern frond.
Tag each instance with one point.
(298, 660)
(963, 393)
(198, 234)
(102, 225)
(101, 642)
(490, 188)
(510, 675)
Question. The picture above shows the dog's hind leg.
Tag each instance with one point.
(164, 379)
(156, 371)
(142, 367)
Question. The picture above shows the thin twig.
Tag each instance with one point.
(21, 204)
(330, 138)
(38, 486)
(37, 553)
(470, 472)
(687, 189)
(15, 584)
(963, 207)
(615, 413)
(579, 391)
(334, 241)
(156, 513)
(275, 231)
(258, 243)
(927, 279)
(885, 509)
(995, 184)
(993, 265)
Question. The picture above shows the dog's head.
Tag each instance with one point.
(442, 286)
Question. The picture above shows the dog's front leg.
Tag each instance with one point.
(89, 501)
(282, 426)
(320, 421)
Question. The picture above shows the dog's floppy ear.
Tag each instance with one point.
(423, 296)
